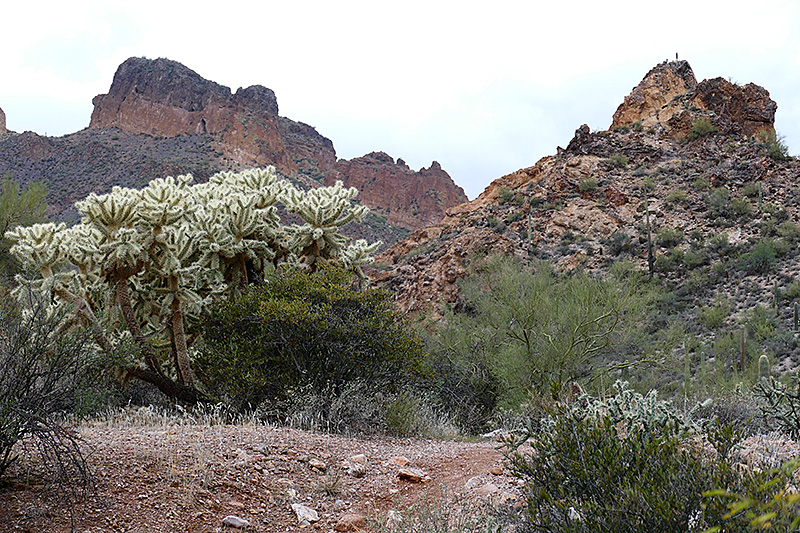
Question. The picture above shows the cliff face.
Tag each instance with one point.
(406, 198)
(2, 122)
(585, 206)
(164, 98)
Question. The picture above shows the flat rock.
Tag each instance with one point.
(351, 522)
(414, 475)
(305, 513)
(235, 521)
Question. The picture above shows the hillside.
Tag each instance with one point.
(160, 118)
(704, 161)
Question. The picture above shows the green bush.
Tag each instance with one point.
(618, 160)
(761, 259)
(714, 316)
(700, 128)
(532, 330)
(669, 237)
(718, 202)
(306, 331)
(588, 184)
(628, 464)
(774, 144)
(676, 196)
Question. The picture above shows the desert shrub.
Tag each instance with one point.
(676, 196)
(790, 231)
(669, 237)
(774, 144)
(618, 160)
(534, 330)
(588, 185)
(617, 243)
(505, 195)
(752, 190)
(44, 374)
(306, 331)
(741, 207)
(700, 128)
(761, 259)
(714, 316)
(625, 465)
(760, 322)
(718, 201)
(700, 183)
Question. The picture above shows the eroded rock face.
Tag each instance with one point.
(669, 97)
(164, 98)
(659, 87)
(747, 105)
(2, 122)
(407, 198)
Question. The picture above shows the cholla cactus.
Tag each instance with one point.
(152, 259)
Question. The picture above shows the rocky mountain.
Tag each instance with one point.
(698, 166)
(2, 122)
(161, 118)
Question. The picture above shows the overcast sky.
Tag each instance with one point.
(484, 88)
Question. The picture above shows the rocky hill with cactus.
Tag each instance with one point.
(695, 169)
(161, 118)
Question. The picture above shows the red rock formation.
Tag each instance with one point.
(406, 198)
(670, 97)
(164, 98)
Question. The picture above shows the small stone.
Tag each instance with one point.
(393, 518)
(338, 505)
(235, 521)
(357, 470)
(351, 522)
(360, 459)
(305, 513)
(487, 489)
(414, 475)
(399, 461)
(496, 471)
(316, 463)
(474, 482)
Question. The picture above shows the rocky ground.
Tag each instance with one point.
(211, 478)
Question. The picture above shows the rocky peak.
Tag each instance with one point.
(2, 122)
(670, 99)
(585, 206)
(664, 82)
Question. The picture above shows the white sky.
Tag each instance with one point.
(484, 88)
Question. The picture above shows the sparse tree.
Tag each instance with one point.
(17, 207)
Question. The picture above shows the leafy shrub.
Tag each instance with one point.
(741, 207)
(306, 331)
(676, 196)
(700, 184)
(618, 160)
(625, 464)
(752, 190)
(761, 259)
(505, 195)
(533, 330)
(714, 316)
(617, 243)
(700, 128)
(669, 237)
(774, 144)
(718, 201)
(588, 185)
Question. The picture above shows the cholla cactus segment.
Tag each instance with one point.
(359, 253)
(327, 206)
(38, 246)
(109, 212)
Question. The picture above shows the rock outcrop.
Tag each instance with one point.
(659, 87)
(2, 122)
(407, 198)
(584, 208)
(670, 98)
(164, 98)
